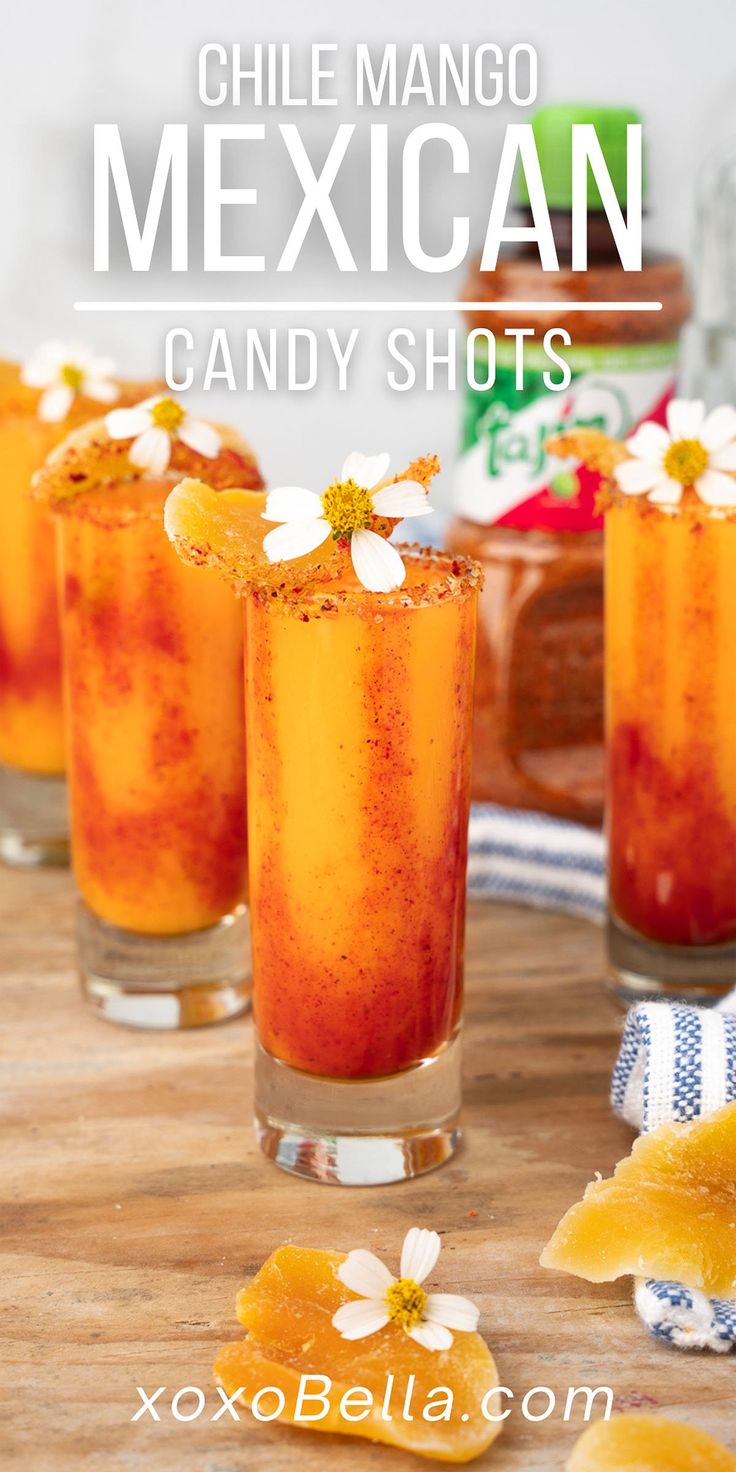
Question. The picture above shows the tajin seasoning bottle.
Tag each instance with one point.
(538, 736)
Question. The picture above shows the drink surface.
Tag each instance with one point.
(31, 723)
(153, 659)
(358, 709)
(671, 703)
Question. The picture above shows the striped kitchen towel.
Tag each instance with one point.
(676, 1063)
(530, 859)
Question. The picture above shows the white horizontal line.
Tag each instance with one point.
(282, 306)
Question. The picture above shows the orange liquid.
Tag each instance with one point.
(359, 727)
(153, 669)
(31, 723)
(671, 714)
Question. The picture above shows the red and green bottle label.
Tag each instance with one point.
(504, 475)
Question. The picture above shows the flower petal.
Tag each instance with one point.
(716, 489)
(419, 1253)
(102, 389)
(42, 367)
(291, 503)
(684, 418)
(365, 470)
(201, 437)
(295, 538)
(666, 491)
(353, 465)
(431, 1336)
(151, 450)
(719, 428)
(55, 403)
(403, 498)
(364, 1273)
(452, 1310)
(377, 564)
(635, 476)
(724, 459)
(125, 424)
(98, 367)
(649, 442)
(357, 1320)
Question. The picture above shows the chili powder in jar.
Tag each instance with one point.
(532, 522)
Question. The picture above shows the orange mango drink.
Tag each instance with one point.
(153, 674)
(358, 714)
(670, 622)
(31, 721)
(671, 672)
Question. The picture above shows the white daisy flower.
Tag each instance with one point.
(694, 450)
(428, 1318)
(154, 425)
(345, 512)
(64, 370)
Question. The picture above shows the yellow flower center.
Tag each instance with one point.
(167, 414)
(348, 508)
(685, 461)
(72, 377)
(406, 1302)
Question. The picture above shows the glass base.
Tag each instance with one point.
(165, 981)
(642, 970)
(359, 1132)
(33, 819)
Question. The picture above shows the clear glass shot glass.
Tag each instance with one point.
(358, 712)
(155, 738)
(671, 741)
(33, 799)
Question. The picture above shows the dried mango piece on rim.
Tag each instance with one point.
(90, 459)
(668, 1211)
(639, 1443)
(657, 468)
(288, 1310)
(593, 448)
(225, 529)
(228, 533)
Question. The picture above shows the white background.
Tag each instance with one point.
(65, 66)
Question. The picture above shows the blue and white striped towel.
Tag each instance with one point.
(531, 859)
(676, 1063)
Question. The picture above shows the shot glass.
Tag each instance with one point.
(358, 712)
(153, 661)
(57, 389)
(671, 738)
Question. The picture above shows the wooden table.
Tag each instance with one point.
(136, 1203)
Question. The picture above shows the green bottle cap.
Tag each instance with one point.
(553, 136)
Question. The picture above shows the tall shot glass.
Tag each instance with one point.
(33, 798)
(152, 658)
(671, 738)
(358, 712)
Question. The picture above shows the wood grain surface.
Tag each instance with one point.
(135, 1204)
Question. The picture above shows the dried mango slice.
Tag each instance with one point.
(591, 447)
(227, 533)
(225, 529)
(288, 1309)
(598, 452)
(637, 1443)
(89, 459)
(669, 1211)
